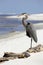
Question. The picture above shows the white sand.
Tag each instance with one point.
(20, 44)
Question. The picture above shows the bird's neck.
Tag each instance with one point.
(24, 22)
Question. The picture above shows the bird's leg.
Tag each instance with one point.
(31, 43)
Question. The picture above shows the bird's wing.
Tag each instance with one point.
(31, 30)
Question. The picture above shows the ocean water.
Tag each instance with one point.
(13, 24)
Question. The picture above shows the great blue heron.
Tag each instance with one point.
(30, 29)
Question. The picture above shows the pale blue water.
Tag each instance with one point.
(10, 25)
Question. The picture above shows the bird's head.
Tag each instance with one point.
(23, 16)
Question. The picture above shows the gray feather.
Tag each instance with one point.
(30, 29)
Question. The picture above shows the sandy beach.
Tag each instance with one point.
(21, 44)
